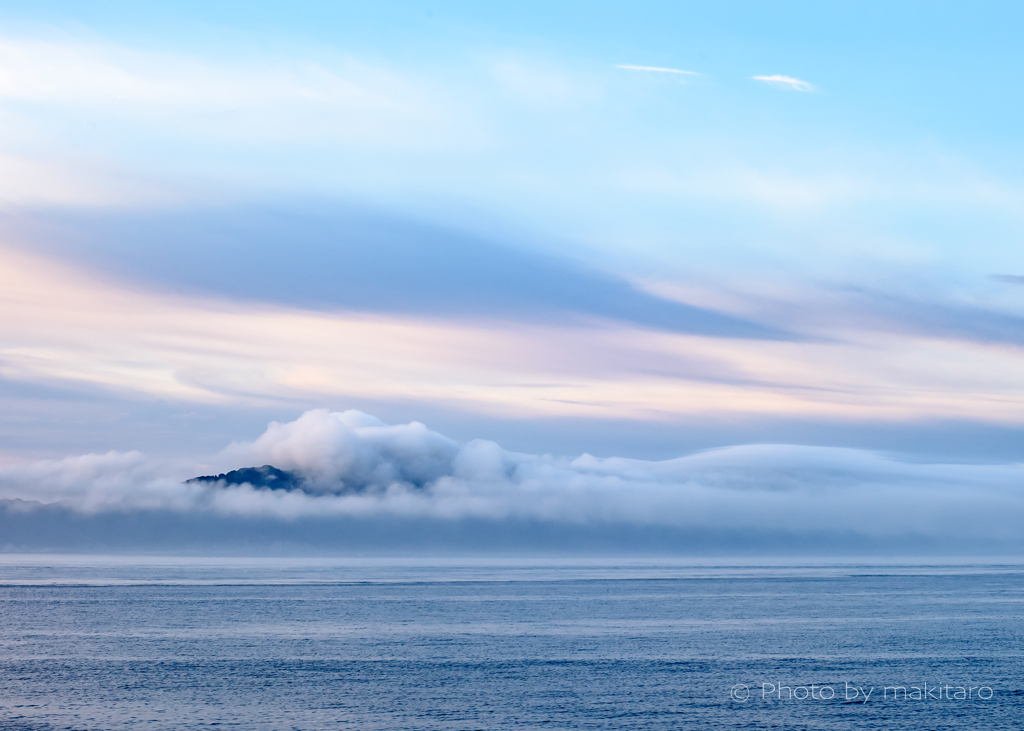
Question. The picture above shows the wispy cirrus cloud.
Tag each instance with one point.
(61, 327)
(656, 69)
(781, 81)
(330, 99)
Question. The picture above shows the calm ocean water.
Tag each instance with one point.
(101, 643)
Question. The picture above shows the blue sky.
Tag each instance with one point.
(517, 123)
(633, 230)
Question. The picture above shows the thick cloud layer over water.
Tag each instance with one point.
(354, 465)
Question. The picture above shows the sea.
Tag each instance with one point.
(91, 643)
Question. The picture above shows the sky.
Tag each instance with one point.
(718, 242)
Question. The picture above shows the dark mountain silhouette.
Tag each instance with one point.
(265, 476)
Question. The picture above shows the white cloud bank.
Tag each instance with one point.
(355, 465)
(782, 81)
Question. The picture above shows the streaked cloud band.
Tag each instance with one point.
(782, 81)
(657, 69)
(60, 327)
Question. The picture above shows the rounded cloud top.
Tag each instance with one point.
(347, 452)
